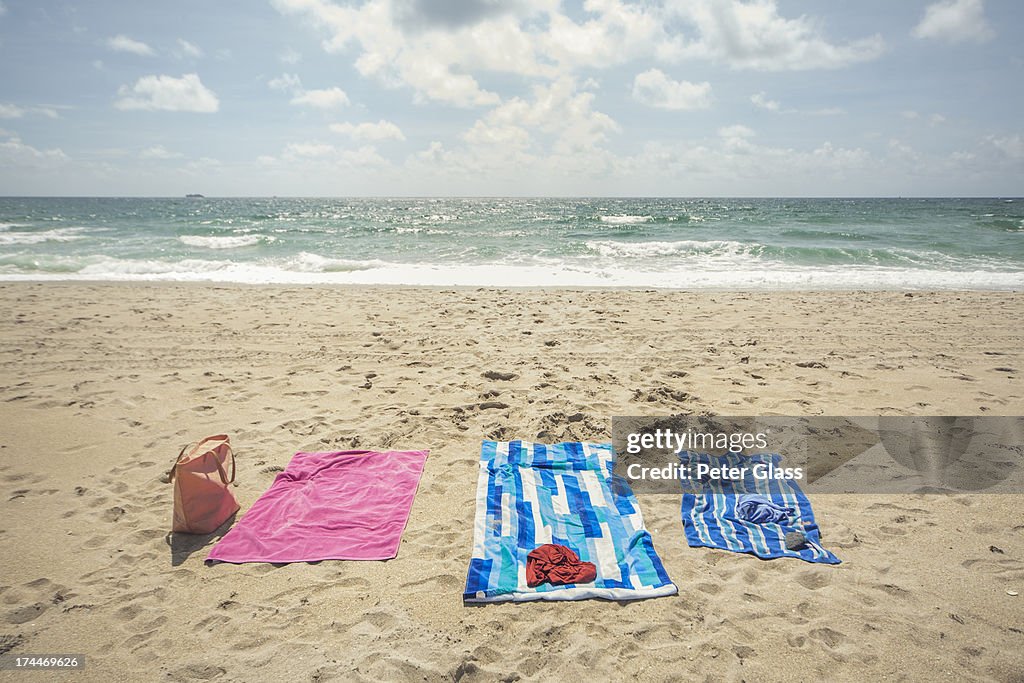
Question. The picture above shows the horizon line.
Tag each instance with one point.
(497, 196)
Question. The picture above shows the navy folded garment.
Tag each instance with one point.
(759, 509)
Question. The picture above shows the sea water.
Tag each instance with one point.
(521, 242)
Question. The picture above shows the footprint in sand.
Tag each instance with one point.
(25, 613)
(814, 580)
(113, 514)
(830, 638)
(8, 643)
(197, 671)
(499, 376)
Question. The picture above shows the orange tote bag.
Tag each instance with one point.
(203, 499)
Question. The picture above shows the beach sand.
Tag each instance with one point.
(102, 384)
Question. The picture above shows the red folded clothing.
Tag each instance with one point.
(558, 565)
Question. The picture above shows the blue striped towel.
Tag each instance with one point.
(710, 518)
(529, 494)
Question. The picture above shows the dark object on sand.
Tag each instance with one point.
(795, 540)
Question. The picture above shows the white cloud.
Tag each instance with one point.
(13, 111)
(285, 82)
(290, 56)
(537, 141)
(902, 151)
(439, 56)
(761, 101)
(327, 98)
(1011, 146)
(382, 130)
(321, 156)
(838, 159)
(733, 157)
(736, 139)
(507, 137)
(735, 131)
(166, 93)
(10, 111)
(441, 84)
(122, 43)
(188, 49)
(159, 152)
(613, 34)
(3, 9)
(962, 157)
(558, 109)
(994, 154)
(432, 62)
(308, 149)
(438, 49)
(365, 156)
(955, 21)
(202, 165)
(433, 153)
(16, 154)
(655, 89)
(753, 35)
(730, 159)
(933, 119)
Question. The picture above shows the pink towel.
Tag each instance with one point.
(348, 505)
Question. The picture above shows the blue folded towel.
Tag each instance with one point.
(761, 510)
(750, 516)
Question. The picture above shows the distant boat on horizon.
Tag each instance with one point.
(194, 196)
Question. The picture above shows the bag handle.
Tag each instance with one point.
(220, 469)
(220, 466)
(174, 465)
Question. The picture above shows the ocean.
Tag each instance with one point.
(811, 244)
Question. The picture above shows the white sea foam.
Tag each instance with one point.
(625, 220)
(55, 235)
(639, 250)
(224, 241)
(7, 226)
(420, 230)
(314, 269)
(305, 262)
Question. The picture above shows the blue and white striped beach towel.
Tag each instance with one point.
(529, 494)
(710, 519)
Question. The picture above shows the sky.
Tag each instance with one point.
(512, 98)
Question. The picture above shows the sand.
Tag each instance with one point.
(101, 384)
